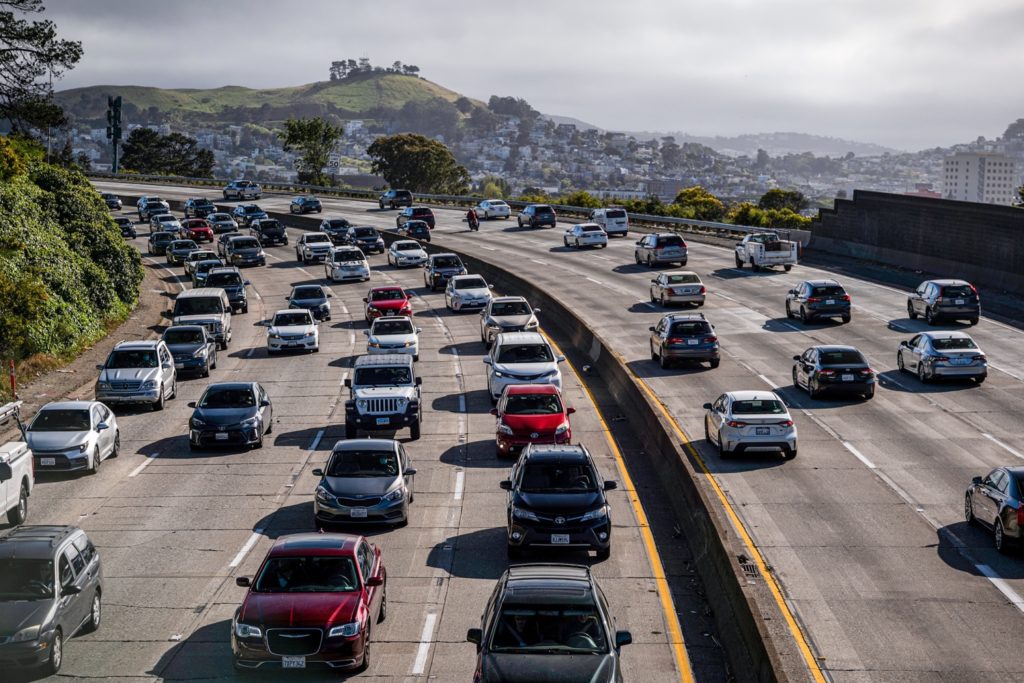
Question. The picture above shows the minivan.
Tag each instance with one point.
(614, 220)
(206, 306)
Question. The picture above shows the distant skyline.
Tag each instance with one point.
(911, 74)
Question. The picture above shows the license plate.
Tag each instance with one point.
(692, 342)
(47, 462)
(847, 378)
(293, 662)
(762, 431)
(383, 420)
(961, 361)
(958, 302)
(221, 436)
(179, 366)
(292, 345)
(358, 512)
(830, 301)
(560, 539)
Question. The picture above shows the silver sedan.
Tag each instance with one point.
(678, 287)
(73, 435)
(933, 355)
(741, 420)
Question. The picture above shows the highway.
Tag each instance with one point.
(864, 530)
(174, 528)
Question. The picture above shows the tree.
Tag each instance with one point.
(29, 53)
(419, 164)
(1020, 193)
(314, 138)
(763, 159)
(494, 186)
(146, 151)
(464, 105)
(705, 206)
(783, 199)
(671, 153)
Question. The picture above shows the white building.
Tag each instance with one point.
(981, 177)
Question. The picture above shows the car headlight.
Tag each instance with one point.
(248, 422)
(25, 635)
(373, 345)
(531, 325)
(149, 384)
(324, 307)
(274, 335)
(395, 495)
(103, 385)
(410, 343)
(200, 352)
(196, 422)
(325, 496)
(247, 631)
(562, 429)
(361, 404)
(493, 324)
(346, 630)
(599, 513)
(371, 308)
(520, 513)
(498, 373)
(505, 429)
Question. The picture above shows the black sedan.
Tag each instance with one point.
(833, 369)
(126, 226)
(995, 502)
(306, 204)
(230, 414)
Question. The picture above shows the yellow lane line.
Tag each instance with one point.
(657, 569)
(798, 633)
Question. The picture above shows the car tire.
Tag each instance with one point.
(351, 431)
(796, 382)
(97, 460)
(636, 257)
(969, 511)
(899, 362)
(650, 262)
(999, 537)
(789, 311)
(682, 263)
(383, 614)
(803, 316)
(972, 321)
(174, 388)
(812, 391)
(739, 262)
(95, 614)
(159, 404)
(723, 453)
(365, 663)
(980, 378)
(565, 243)
(259, 442)
(116, 450)
(922, 374)
(664, 302)
(19, 513)
(663, 362)
(213, 361)
(929, 317)
(654, 356)
(192, 447)
(414, 430)
(56, 658)
(911, 313)
(715, 362)
(869, 394)
(605, 554)
(788, 453)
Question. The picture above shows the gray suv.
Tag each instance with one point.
(944, 299)
(51, 587)
(385, 395)
(137, 372)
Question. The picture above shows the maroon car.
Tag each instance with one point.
(387, 300)
(313, 603)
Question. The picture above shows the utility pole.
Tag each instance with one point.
(114, 125)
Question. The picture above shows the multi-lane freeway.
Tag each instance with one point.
(864, 531)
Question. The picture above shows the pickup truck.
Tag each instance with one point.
(17, 473)
(764, 250)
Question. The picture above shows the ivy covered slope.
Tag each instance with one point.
(66, 274)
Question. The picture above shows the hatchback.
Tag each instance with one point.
(466, 292)
(415, 213)
(813, 299)
(938, 300)
(746, 420)
(657, 248)
(833, 369)
(365, 480)
(530, 413)
(678, 287)
(314, 602)
(995, 501)
(934, 355)
(684, 336)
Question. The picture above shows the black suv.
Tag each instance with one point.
(537, 215)
(51, 584)
(556, 500)
(548, 622)
(818, 299)
(199, 207)
(335, 229)
(230, 280)
(945, 299)
(268, 231)
(366, 238)
(395, 198)
(415, 213)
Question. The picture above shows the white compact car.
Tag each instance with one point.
(466, 292)
(406, 253)
(750, 420)
(585, 235)
(346, 263)
(393, 334)
(73, 435)
(521, 358)
(293, 329)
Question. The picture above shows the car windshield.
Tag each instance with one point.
(383, 376)
(154, 200)
(689, 327)
(684, 279)
(222, 279)
(957, 290)
(61, 420)
(133, 358)
(365, 232)
(558, 476)
(827, 290)
(307, 575)
(953, 344)
(294, 318)
(203, 203)
(252, 208)
(337, 223)
(123, 221)
(387, 295)
(510, 308)
(532, 404)
(228, 397)
(183, 336)
(219, 217)
(162, 237)
(370, 463)
(843, 357)
(767, 406)
(269, 224)
(25, 579)
(403, 326)
(198, 305)
(549, 629)
(670, 241)
(183, 245)
(348, 255)
(310, 292)
(204, 266)
(470, 283)
(316, 239)
(200, 255)
(447, 262)
(525, 353)
(407, 246)
(245, 244)
(165, 218)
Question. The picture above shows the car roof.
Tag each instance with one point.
(556, 453)
(835, 347)
(184, 327)
(822, 283)
(342, 545)
(507, 299)
(543, 582)
(291, 310)
(364, 444)
(758, 395)
(391, 319)
(587, 225)
(230, 385)
(144, 344)
(383, 359)
(521, 338)
(531, 389)
(202, 291)
(949, 281)
(35, 542)
(386, 288)
(679, 272)
(947, 334)
(675, 317)
(401, 244)
(1015, 470)
(226, 269)
(469, 276)
(446, 254)
(68, 405)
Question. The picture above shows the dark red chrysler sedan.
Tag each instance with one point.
(313, 603)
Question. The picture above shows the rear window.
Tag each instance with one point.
(222, 279)
(685, 279)
(615, 213)
(846, 357)
(244, 244)
(543, 209)
(403, 193)
(421, 212)
(957, 290)
(683, 329)
(365, 232)
(828, 290)
(759, 407)
(956, 343)
(387, 295)
(670, 241)
(591, 228)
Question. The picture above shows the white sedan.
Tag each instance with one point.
(406, 253)
(750, 420)
(393, 334)
(466, 292)
(346, 263)
(73, 435)
(585, 235)
(493, 208)
(293, 329)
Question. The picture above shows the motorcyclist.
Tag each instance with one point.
(472, 219)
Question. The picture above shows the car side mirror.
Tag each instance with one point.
(366, 333)
(490, 286)
(654, 281)
(706, 406)
(570, 411)
(191, 404)
(99, 366)
(101, 426)
(374, 581)
(976, 481)
(560, 359)
(486, 361)
(419, 330)
(419, 381)
(318, 472)
(796, 357)
(264, 404)
(409, 471)
(905, 344)
(243, 581)
(474, 635)
(70, 589)
(610, 485)
(348, 382)
(364, 299)
(639, 242)
(506, 485)
(6, 472)
(651, 328)
(623, 638)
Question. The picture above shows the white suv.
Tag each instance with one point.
(521, 358)
(313, 246)
(743, 420)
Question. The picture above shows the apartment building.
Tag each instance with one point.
(984, 177)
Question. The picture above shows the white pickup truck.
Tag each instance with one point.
(15, 480)
(764, 250)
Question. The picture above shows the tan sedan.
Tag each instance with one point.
(678, 287)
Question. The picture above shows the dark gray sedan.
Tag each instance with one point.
(193, 351)
(833, 369)
(995, 502)
(365, 480)
(230, 414)
(311, 297)
(934, 355)
(178, 249)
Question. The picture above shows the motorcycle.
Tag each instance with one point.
(474, 222)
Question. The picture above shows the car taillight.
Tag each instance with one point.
(736, 423)
(1020, 516)
(675, 340)
(826, 372)
(845, 297)
(867, 371)
(710, 340)
(703, 289)
(940, 359)
(813, 299)
(981, 357)
(785, 423)
(973, 289)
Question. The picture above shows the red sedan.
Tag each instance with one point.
(314, 602)
(390, 300)
(197, 229)
(531, 413)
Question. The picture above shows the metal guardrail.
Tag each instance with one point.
(688, 225)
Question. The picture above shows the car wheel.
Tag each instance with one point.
(565, 242)
(803, 315)
(664, 362)
(969, 511)
(869, 394)
(796, 382)
(973, 321)
(980, 378)
(847, 318)
(788, 268)
(813, 390)
(788, 453)
(636, 257)
(383, 605)
(911, 313)
(723, 453)
(929, 316)
(159, 405)
(94, 465)
(922, 374)
(414, 430)
(899, 362)
(56, 658)
(664, 302)
(259, 442)
(654, 356)
(650, 262)
(213, 361)
(19, 513)
(365, 663)
(789, 312)
(714, 362)
(350, 430)
(174, 388)
(999, 537)
(739, 262)
(116, 450)
(95, 614)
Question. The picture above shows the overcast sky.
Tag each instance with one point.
(909, 74)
